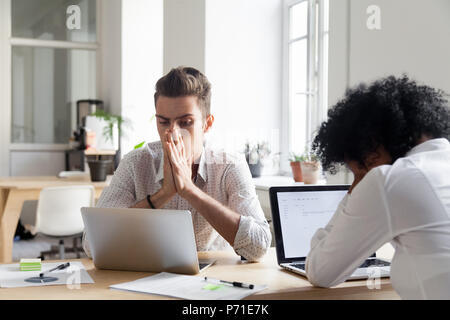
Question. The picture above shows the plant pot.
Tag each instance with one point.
(297, 171)
(310, 172)
(99, 169)
(255, 169)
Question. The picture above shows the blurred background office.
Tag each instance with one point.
(72, 73)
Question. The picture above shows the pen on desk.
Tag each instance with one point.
(60, 267)
(233, 283)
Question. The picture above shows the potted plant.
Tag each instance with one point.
(296, 167)
(254, 154)
(305, 167)
(98, 167)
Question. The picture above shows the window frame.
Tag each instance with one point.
(6, 44)
(317, 74)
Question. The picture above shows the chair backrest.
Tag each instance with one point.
(58, 211)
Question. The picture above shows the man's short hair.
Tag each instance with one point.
(186, 81)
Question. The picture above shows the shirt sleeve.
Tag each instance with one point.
(360, 226)
(321, 233)
(253, 237)
(119, 194)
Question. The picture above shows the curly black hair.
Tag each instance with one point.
(392, 112)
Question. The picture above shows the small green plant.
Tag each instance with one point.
(111, 120)
(139, 145)
(306, 156)
(294, 157)
(255, 153)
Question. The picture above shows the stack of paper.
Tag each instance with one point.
(30, 264)
(186, 287)
(11, 277)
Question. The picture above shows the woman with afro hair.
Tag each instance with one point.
(393, 136)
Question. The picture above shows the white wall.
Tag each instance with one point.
(5, 88)
(338, 49)
(184, 34)
(111, 55)
(244, 64)
(238, 45)
(142, 66)
(338, 65)
(414, 39)
(132, 62)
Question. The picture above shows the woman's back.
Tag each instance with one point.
(417, 189)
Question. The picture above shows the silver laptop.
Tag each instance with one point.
(142, 240)
(297, 213)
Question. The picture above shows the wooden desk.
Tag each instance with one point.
(281, 284)
(15, 190)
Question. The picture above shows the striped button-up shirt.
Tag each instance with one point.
(222, 175)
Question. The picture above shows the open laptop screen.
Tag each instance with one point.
(298, 212)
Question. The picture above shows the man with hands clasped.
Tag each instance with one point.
(181, 172)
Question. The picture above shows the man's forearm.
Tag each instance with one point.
(159, 199)
(221, 218)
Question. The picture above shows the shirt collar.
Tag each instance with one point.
(202, 172)
(430, 145)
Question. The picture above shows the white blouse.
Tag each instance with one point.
(408, 204)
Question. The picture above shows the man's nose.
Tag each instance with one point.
(173, 126)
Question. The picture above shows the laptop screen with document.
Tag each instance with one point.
(297, 214)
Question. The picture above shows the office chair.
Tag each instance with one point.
(58, 214)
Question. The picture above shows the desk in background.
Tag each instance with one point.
(281, 284)
(15, 190)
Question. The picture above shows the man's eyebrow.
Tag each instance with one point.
(180, 117)
(159, 116)
(184, 116)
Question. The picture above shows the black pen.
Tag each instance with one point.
(233, 283)
(60, 267)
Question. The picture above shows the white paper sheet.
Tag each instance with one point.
(12, 277)
(186, 287)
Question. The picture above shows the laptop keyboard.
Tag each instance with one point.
(298, 265)
(374, 263)
(366, 264)
(202, 266)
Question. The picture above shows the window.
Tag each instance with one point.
(305, 72)
(52, 66)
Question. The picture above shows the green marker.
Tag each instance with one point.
(212, 287)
